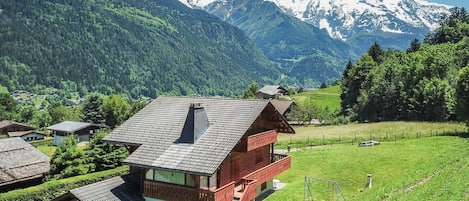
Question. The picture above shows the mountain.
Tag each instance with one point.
(391, 23)
(133, 47)
(300, 50)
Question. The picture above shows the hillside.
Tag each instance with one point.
(130, 47)
(300, 50)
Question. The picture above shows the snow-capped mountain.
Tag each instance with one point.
(344, 18)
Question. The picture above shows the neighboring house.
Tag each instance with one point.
(198, 149)
(83, 131)
(21, 164)
(30, 135)
(284, 106)
(11, 126)
(270, 92)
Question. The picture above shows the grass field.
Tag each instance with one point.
(384, 131)
(430, 168)
(47, 149)
(3, 89)
(327, 97)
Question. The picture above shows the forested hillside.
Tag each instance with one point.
(133, 47)
(301, 50)
(428, 82)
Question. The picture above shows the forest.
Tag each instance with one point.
(135, 48)
(427, 82)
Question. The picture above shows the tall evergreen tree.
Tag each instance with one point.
(92, 109)
(414, 46)
(376, 52)
(105, 155)
(68, 160)
(462, 95)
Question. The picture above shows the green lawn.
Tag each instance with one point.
(47, 149)
(394, 166)
(327, 97)
(3, 89)
(385, 131)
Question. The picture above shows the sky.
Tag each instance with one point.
(458, 3)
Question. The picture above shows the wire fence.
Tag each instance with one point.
(323, 140)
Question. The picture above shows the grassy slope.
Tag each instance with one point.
(376, 130)
(327, 97)
(394, 165)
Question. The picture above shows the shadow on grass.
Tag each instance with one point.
(458, 134)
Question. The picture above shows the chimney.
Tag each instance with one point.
(196, 124)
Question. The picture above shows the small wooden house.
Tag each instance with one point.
(187, 149)
(270, 92)
(21, 164)
(30, 135)
(83, 131)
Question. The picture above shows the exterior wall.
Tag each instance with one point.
(58, 138)
(32, 137)
(238, 165)
(269, 187)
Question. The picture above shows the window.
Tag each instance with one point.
(263, 186)
(170, 177)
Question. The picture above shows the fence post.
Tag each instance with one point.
(323, 139)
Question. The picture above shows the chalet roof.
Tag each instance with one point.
(22, 133)
(282, 105)
(19, 161)
(123, 188)
(270, 89)
(72, 126)
(158, 126)
(6, 123)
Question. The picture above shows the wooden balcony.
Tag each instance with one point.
(165, 191)
(257, 140)
(281, 163)
(251, 181)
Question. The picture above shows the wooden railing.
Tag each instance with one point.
(281, 163)
(249, 190)
(257, 140)
(251, 181)
(165, 191)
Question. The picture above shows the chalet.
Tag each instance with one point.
(83, 131)
(270, 92)
(30, 135)
(199, 149)
(21, 164)
(11, 126)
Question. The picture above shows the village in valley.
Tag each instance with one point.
(243, 100)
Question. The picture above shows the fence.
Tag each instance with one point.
(311, 142)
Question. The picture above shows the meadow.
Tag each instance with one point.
(3, 89)
(327, 97)
(441, 162)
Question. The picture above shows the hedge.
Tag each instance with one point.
(55, 188)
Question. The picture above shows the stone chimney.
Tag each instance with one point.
(196, 124)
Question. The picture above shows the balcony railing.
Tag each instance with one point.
(251, 181)
(281, 163)
(165, 191)
(258, 140)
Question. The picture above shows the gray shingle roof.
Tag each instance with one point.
(22, 133)
(6, 123)
(117, 188)
(270, 89)
(282, 105)
(20, 160)
(157, 126)
(71, 126)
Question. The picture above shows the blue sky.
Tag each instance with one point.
(458, 3)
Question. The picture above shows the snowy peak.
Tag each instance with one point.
(343, 18)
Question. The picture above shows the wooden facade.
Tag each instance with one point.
(251, 164)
